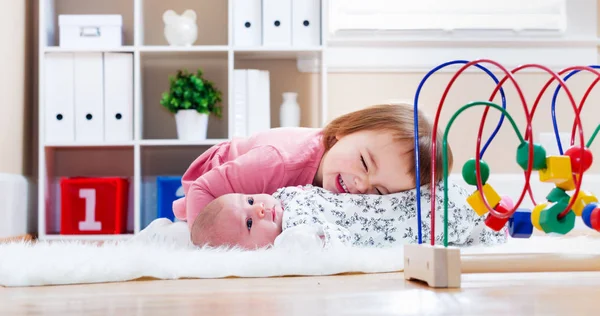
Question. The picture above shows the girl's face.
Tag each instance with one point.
(367, 162)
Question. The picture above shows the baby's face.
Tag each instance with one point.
(250, 221)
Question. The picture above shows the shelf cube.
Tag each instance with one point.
(93, 205)
(168, 190)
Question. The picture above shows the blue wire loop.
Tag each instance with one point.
(553, 109)
(416, 131)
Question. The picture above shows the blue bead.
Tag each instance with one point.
(587, 213)
(519, 224)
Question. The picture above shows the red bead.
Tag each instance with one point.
(577, 159)
(503, 207)
(595, 219)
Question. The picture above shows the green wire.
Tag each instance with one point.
(445, 152)
(589, 143)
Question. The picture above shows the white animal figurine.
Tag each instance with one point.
(180, 30)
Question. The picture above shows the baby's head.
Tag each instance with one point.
(372, 151)
(248, 221)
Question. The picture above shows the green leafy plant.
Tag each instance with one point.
(192, 91)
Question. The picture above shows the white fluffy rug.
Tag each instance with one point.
(163, 251)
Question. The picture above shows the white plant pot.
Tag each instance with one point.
(191, 125)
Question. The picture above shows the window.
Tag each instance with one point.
(417, 35)
(448, 15)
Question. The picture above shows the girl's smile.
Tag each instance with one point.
(367, 162)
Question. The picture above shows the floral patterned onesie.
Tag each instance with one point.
(384, 220)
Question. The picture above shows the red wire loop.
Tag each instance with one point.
(435, 124)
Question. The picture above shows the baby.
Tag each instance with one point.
(253, 221)
(247, 221)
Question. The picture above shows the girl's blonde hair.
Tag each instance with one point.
(399, 120)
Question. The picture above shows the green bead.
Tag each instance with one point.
(549, 219)
(539, 156)
(469, 172)
(556, 195)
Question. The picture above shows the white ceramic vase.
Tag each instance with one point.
(180, 30)
(289, 111)
(191, 125)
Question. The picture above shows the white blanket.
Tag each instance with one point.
(163, 251)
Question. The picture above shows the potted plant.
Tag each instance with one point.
(192, 99)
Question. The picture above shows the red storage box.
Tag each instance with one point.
(93, 205)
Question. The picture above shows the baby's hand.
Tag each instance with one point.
(302, 236)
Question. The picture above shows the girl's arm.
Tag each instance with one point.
(260, 170)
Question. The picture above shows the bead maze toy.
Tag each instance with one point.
(440, 265)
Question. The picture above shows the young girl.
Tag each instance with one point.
(369, 151)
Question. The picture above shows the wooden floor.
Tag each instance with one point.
(375, 294)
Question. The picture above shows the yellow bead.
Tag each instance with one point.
(568, 185)
(583, 198)
(490, 195)
(535, 215)
(558, 170)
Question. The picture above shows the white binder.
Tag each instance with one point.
(240, 103)
(89, 116)
(259, 107)
(118, 97)
(59, 108)
(306, 23)
(247, 23)
(265, 102)
(277, 22)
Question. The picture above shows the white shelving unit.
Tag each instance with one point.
(155, 149)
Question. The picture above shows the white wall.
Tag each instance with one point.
(13, 65)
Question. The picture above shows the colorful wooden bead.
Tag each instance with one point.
(495, 223)
(535, 215)
(578, 160)
(477, 203)
(469, 172)
(586, 215)
(583, 198)
(539, 156)
(595, 219)
(569, 184)
(556, 195)
(519, 224)
(550, 222)
(558, 169)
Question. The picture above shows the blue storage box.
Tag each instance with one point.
(168, 189)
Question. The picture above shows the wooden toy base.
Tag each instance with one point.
(529, 262)
(437, 266)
